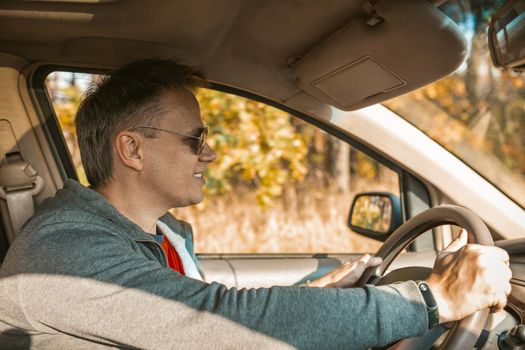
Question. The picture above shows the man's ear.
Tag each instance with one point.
(130, 149)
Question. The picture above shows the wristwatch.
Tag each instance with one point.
(432, 309)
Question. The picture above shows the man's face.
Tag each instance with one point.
(172, 169)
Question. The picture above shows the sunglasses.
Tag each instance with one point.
(197, 144)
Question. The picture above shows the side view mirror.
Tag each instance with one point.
(506, 36)
(375, 214)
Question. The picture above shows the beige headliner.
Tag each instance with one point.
(241, 43)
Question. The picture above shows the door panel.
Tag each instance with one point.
(253, 271)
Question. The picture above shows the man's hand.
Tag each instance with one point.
(346, 275)
(469, 277)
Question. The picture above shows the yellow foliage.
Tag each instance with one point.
(257, 145)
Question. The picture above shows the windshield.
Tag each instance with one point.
(477, 113)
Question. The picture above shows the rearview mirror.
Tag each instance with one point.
(375, 214)
(506, 36)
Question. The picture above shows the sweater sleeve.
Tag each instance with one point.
(106, 291)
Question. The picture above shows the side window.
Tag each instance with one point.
(279, 185)
(65, 90)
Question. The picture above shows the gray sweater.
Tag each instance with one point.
(82, 276)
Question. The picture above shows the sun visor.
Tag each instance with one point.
(400, 46)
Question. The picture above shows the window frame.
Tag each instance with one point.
(55, 138)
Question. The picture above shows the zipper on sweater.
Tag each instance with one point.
(156, 244)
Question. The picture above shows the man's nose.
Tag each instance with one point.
(208, 155)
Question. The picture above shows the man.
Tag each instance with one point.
(87, 270)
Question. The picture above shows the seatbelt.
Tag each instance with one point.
(19, 183)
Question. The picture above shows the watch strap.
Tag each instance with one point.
(430, 304)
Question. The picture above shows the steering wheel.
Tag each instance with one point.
(464, 333)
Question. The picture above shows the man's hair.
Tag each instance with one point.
(130, 96)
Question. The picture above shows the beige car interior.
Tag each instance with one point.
(306, 56)
(26, 160)
(347, 54)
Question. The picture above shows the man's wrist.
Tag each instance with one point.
(430, 304)
(445, 314)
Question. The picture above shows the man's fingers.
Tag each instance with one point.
(459, 242)
(508, 289)
(501, 254)
(364, 259)
(490, 255)
(368, 260)
(375, 261)
(500, 302)
(488, 272)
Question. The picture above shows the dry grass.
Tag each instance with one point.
(311, 221)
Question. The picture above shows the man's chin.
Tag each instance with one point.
(196, 199)
(188, 202)
(195, 202)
